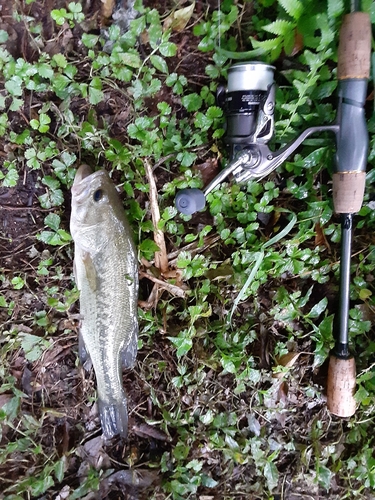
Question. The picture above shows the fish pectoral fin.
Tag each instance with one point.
(90, 270)
(129, 352)
(114, 418)
(83, 353)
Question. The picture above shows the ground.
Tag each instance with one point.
(209, 416)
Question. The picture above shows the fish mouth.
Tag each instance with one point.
(81, 185)
(83, 171)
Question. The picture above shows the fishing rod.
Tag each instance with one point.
(348, 181)
(248, 102)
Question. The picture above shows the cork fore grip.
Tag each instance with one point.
(354, 50)
(341, 386)
(348, 191)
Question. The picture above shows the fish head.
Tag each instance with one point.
(94, 199)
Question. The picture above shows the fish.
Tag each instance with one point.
(106, 275)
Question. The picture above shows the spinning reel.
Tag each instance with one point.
(249, 102)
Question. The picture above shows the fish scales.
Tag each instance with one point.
(106, 272)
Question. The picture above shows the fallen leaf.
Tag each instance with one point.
(320, 237)
(93, 453)
(287, 361)
(298, 43)
(128, 480)
(146, 430)
(178, 19)
(208, 170)
(107, 8)
(253, 424)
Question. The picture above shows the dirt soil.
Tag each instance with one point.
(58, 390)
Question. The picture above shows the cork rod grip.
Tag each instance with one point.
(341, 387)
(354, 47)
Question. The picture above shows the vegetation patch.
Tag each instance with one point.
(227, 399)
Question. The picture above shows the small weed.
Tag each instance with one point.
(231, 372)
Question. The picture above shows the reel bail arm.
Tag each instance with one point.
(254, 161)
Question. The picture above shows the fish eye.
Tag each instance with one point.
(98, 195)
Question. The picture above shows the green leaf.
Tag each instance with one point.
(40, 485)
(131, 59)
(53, 221)
(34, 124)
(95, 95)
(271, 474)
(335, 8)
(33, 346)
(324, 476)
(89, 41)
(148, 248)
(192, 102)
(361, 395)
(57, 197)
(318, 308)
(164, 108)
(17, 282)
(293, 7)
(168, 49)
(280, 27)
(202, 121)
(3, 36)
(59, 468)
(181, 451)
(159, 63)
(208, 482)
(14, 86)
(75, 7)
(183, 345)
(228, 364)
(267, 45)
(16, 104)
(214, 112)
(45, 70)
(59, 16)
(186, 158)
(60, 60)
(44, 121)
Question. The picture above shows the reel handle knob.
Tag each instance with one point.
(189, 201)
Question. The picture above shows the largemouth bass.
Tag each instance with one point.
(106, 274)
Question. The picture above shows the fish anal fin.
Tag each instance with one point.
(129, 352)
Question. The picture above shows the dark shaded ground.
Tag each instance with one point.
(59, 391)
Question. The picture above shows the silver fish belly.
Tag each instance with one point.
(106, 273)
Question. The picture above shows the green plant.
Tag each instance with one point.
(226, 396)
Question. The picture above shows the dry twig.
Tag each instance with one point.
(161, 258)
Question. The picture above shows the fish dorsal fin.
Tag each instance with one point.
(90, 270)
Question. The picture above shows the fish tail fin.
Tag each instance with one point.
(114, 417)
